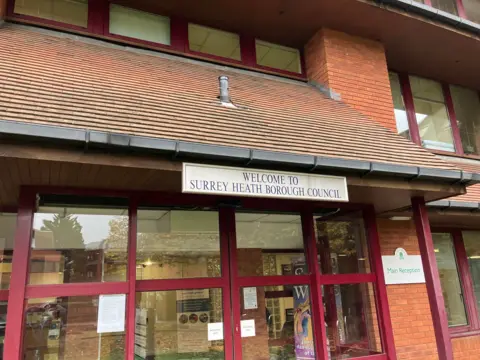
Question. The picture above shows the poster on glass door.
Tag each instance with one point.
(304, 346)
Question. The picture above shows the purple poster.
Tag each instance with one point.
(304, 346)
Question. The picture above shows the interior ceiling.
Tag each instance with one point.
(418, 47)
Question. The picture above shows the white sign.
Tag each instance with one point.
(215, 331)
(210, 179)
(250, 298)
(247, 328)
(111, 314)
(402, 268)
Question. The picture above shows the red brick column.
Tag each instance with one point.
(354, 67)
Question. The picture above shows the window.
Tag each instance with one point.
(8, 223)
(458, 260)
(472, 10)
(66, 328)
(139, 25)
(471, 240)
(278, 57)
(450, 279)
(431, 114)
(437, 116)
(72, 12)
(467, 111)
(174, 244)
(76, 243)
(214, 42)
(399, 106)
(449, 6)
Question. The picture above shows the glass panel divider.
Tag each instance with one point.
(131, 279)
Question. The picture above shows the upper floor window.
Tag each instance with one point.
(144, 28)
(467, 112)
(139, 24)
(214, 42)
(72, 12)
(431, 114)
(278, 57)
(445, 118)
(399, 106)
(472, 10)
(449, 6)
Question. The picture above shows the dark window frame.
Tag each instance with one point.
(412, 121)
(470, 302)
(98, 26)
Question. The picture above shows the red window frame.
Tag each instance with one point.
(98, 26)
(230, 282)
(470, 302)
(459, 5)
(412, 121)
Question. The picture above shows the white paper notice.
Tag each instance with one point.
(250, 298)
(247, 328)
(111, 313)
(215, 331)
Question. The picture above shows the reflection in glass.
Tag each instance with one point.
(173, 244)
(3, 324)
(431, 113)
(65, 11)
(449, 6)
(342, 244)
(399, 106)
(351, 321)
(471, 239)
(467, 112)
(8, 224)
(449, 278)
(66, 328)
(78, 244)
(139, 24)
(268, 244)
(179, 324)
(276, 323)
(472, 9)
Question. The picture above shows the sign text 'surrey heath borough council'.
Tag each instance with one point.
(211, 179)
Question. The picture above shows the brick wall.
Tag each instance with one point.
(409, 306)
(466, 348)
(354, 67)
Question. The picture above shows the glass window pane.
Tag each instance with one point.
(276, 323)
(449, 6)
(65, 11)
(449, 278)
(174, 244)
(78, 244)
(472, 9)
(351, 321)
(342, 245)
(431, 113)
(66, 328)
(214, 42)
(467, 111)
(399, 106)
(471, 239)
(3, 324)
(8, 224)
(139, 24)
(175, 325)
(269, 244)
(277, 56)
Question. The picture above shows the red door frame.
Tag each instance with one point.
(229, 282)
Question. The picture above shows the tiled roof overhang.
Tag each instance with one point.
(65, 88)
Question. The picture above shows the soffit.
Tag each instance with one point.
(413, 43)
(65, 81)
